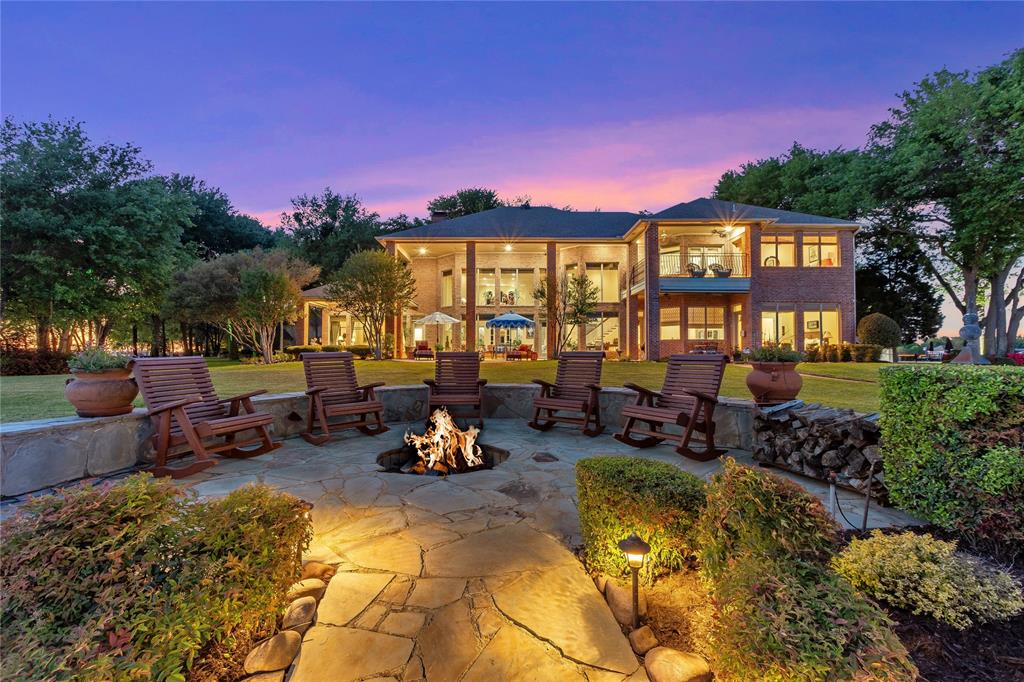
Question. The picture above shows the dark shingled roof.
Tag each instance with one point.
(514, 222)
(715, 209)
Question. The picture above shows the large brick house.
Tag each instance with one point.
(701, 274)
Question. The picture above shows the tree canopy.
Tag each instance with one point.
(892, 275)
(216, 227)
(85, 234)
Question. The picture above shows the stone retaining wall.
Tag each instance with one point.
(48, 452)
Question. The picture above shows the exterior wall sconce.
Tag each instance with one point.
(636, 551)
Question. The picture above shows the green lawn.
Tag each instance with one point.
(842, 385)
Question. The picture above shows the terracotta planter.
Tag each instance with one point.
(101, 394)
(774, 382)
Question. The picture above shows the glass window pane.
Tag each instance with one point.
(778, 251)
(447, 288)
(486, 288)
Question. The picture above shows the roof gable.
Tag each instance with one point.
(717, 210)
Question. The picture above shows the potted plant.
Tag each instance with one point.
(101, 385)
(774, 378)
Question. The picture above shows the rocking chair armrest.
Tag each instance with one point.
(174, 405)
(243, 396)
(370, 387)
(594, 387)
(701, 396)
(316, 389)
(481, 382)
(641, 390)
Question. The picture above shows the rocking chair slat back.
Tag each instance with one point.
(333, 371)
(457, 373)
(691, 372)
(165, 380)
(577, 369)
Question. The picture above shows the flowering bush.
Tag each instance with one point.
(928, 576)
(135, 581)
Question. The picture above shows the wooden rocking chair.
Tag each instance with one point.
(456, 383)
(576, 389)
(334, 392)
(185, 410)
(687, 399)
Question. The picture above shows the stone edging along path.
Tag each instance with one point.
(40, 454)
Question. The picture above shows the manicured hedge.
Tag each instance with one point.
(953, 448)
(136, 581)
(780, 613)
(623, 495)
(928, 576)
(18, 362)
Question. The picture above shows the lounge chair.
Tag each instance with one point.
(576, 389)
(456, 383)
(423, 351)
(334, 392)
(687, 399)
(186, 411)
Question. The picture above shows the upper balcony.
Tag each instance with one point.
(710, 273)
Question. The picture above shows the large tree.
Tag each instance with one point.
(87, 238)
(373, 287)
(892, 275)
(246, 294)
(216, 226)
(327, 228)
(951, 157)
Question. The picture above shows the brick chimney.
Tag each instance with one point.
(438, 216)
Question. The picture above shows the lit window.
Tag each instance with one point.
(821, 250)
(821, 326)
(605, 277)
(705, 323)
(486, 288)
(670, 324)
(603, 331)
(777, 328)
(778, 251)
(447, 292)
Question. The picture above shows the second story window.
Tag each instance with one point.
(605, 277)
(486, 288)
(778, 251)
(820, 250)
(447, 289)
(516, 286)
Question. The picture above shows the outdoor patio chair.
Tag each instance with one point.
(687, 399)
(423, 351)
(186, 411)
(576, 389)
(456, 383)
(334, 392)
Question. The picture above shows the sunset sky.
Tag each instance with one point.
(616, 106)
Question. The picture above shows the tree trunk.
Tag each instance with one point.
(156, 342)
(42, 333)
(135, 339)
(267, 344)
(103, 328)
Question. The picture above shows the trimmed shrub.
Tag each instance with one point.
(786, 619)
(18, 362)
(623, 495)
(866, 352)
(749, 511)
(812, 354)
(880, 330)
(135, 581)
(308, 348)
(928, 576)
(951, 437)
(845, 353)
(332, 349)
(361, 352)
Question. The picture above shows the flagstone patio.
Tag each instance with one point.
(472, 577)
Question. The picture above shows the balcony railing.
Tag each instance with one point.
(718, 265)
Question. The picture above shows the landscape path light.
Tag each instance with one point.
(636, 551)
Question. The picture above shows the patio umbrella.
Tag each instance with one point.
(509, 321)
(437, 318)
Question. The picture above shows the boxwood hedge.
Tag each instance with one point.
(953, 448)
(623, 495)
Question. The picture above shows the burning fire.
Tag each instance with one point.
(445, 447)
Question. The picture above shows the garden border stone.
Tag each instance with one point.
(40, 454)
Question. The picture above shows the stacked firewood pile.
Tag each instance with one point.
(821, 442)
